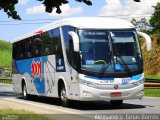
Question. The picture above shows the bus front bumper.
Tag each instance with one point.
(92, 94)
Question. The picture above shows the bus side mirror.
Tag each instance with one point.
(148, 40)
(75, 40)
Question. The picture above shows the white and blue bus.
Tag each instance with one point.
(86, 59)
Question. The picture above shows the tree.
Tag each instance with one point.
(155, 19)
(142, 24)
(134, 21)
(8, 6)
(51, 4)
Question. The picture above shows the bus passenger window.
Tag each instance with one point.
(37, 46)
(47, 43)
(37, 53)
(29, 54)
(47, 51)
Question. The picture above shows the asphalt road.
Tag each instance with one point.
(148, 105)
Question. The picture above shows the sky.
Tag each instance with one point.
(33, 14)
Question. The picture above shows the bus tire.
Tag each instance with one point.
(116, 102)
(63, 96)
(24, 92)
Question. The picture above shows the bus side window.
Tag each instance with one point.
(17, 50)
(29, 48)
(20, 50)
(14, 52)
(69, 45)
(29, 54)
(47, 51)
(57, 42)
(37, 46)
(47, 43)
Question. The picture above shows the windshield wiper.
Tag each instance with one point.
(104, 65)
(122, 62)
(124, 65)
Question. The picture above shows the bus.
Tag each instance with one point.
(81, 58)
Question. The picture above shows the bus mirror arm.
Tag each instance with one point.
(75, 40)
(148, 40)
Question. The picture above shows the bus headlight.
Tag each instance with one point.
(87, 83)
(141, 81)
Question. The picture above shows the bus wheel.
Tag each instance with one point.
(24, 92)
(116, 102)
(63, 97)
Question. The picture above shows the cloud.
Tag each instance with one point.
(66, 10)
(129, 9)
(36, 10)
(22, 2)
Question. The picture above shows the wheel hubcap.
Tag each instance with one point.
(24, 91)
(63, 95)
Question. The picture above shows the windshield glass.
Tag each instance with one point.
(110, 51)
(125, 44)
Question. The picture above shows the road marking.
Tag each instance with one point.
(152, 97)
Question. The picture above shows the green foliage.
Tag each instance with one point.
(5, 60)
(142, 24)
(10, 114)
(5, 54)
(152, 76)
(155, 19)
(8, 74)
(151, 59)
(6, 81)
(8, 6)
(5, 45)
(152, 92)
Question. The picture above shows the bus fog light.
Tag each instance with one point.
(84, 93)
(142, 92)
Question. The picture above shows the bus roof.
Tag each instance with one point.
(83, 23)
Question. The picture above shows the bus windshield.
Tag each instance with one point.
(110, 51)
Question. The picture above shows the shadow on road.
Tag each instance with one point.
(7, 94)
(98, 105)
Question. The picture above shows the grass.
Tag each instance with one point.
(5, 54)
(10, 114)
(152, 77)
(5, 60)
(152, 92)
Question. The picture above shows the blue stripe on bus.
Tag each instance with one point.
(136, 77)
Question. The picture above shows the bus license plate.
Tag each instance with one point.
(116, 94)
